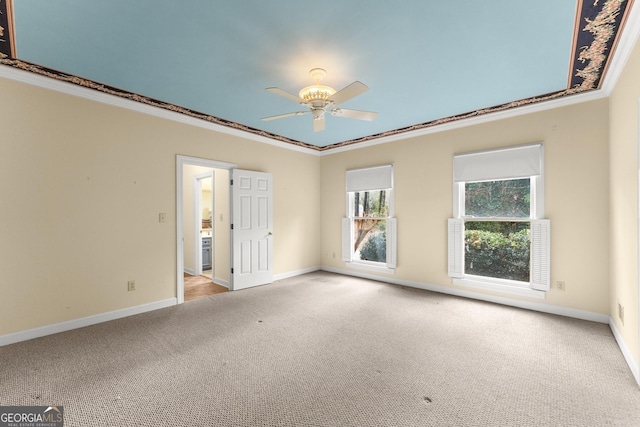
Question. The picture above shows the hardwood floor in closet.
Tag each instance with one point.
(200, 286)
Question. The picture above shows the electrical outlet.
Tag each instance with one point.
(560, 285)
(162, 217)
(621, 312)
(131, 285)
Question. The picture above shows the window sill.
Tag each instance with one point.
(369, 266)
(497, 287)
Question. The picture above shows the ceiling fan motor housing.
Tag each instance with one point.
(319, 98)
(318, 113)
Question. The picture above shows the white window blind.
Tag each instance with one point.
(508, 163)
(369, 179)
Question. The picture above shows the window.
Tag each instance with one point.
(369, 229)
(498, 238)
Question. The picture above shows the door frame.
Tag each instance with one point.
(181, 162)
(197, 213)
(637, 370)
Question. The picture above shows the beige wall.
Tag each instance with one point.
(577, 195)
(81, 187)
(82, 184)
(624, 201)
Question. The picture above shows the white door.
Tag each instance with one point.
(252, 229)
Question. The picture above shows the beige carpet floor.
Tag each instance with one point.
(328, 350)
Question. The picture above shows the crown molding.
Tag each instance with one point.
(622, 52)
(476, 120)
(72, 89)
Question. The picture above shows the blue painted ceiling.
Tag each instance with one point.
(423, 60)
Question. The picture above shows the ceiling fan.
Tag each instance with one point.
(322, 99)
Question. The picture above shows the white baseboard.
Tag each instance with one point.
(551, 309)
(545, 308)
(296, 273)
(82, 322)
(117, 314)
(190, 271)
(221, 282)
(625, 351)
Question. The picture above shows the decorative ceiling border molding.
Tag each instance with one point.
(7, 31)
(109, 90)
(601, 22)
(596, 35)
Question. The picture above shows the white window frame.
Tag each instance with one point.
(506, 163)
(370, 179)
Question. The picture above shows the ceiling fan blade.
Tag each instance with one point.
(318, 124)
(285, 94)
(282, 116)
(354, 114)
(351, 91)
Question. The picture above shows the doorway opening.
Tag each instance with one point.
(203, 210)
(203, 227)
(200, 281)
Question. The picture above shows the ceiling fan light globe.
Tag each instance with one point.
(316, 92)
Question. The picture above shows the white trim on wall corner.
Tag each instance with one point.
(628, 356)
(638, 236)
(83, 322)
(626, 42)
